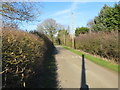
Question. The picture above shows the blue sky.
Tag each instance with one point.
(61, 12)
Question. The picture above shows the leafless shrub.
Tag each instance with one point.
(102, 44)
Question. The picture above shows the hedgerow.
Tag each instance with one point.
(102, 44)
(22, 56)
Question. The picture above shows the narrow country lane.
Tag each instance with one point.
(70, 67)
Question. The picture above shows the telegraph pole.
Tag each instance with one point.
(68, 29)
(64, 37)
(73, 39)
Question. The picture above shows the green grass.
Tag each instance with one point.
(96, 60)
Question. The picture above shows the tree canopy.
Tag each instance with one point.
(14, 12)
(107, 20)
(81, 30)
(49, 27)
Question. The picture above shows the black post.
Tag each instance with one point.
(84, 86)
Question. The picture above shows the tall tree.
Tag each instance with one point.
(116, 11)
(14, 12)
(107, 20)
(62, 34)
(49, 27)
(90, 25)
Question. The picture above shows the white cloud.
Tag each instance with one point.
(62, 12)
(65, 11)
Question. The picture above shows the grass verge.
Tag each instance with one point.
(96, 60)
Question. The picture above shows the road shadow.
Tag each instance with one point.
(84, 86)
(55, 51)
(50, 73)
(47, 78)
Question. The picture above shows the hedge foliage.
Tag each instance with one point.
(81, 30)
(22, 56)
(102, 44)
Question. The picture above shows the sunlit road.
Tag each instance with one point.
(69, 72)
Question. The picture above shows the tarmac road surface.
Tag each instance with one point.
(70, 72)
